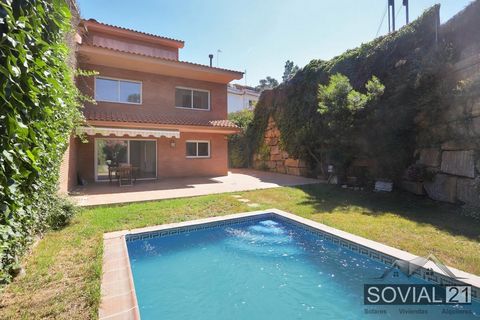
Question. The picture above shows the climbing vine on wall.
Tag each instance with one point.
(412, 64)
(39, 108)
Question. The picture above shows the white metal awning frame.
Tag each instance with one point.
(120, 132)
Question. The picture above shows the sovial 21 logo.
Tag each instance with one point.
(416, 293)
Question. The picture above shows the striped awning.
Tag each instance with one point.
(120, 132)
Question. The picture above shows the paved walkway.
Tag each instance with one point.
(237, 180)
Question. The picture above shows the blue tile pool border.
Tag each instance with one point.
(376, 255)
(198, 227)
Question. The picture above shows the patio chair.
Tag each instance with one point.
(125, 175)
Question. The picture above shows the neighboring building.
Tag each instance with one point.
(241, 97)
(159, 115)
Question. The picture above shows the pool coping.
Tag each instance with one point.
(119, 301)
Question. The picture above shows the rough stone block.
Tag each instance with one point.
(274, 150)
(285, 155)
(476, 108)
(364, 162)
(275, 133)
(293, 171)
(296, 171)
(442, 188)
(269, 133)
(453, 145)
(297, 163)
(413, 187)
(271, 164)
(259, 165)
(460, 163)
(272, 141)
(476, 125)
(430, 157)
(281, 169)
(275, 157)
(467, 191)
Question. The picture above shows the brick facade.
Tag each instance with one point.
(116, 52)
(171, 161)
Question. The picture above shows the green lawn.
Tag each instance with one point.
(63, 271)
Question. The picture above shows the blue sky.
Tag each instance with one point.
(260, 35)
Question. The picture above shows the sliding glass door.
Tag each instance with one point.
(141, 155)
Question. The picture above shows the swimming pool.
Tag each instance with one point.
(262, 266)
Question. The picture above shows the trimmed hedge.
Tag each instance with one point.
(39, 107)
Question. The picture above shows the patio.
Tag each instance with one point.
(237, 180)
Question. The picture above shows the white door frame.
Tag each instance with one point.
(95, 158)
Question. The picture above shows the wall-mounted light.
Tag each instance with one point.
(172, 143)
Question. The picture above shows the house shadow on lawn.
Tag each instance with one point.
(443, 216)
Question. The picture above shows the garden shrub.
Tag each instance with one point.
(39, 107)
(238, 144)
(61, 213)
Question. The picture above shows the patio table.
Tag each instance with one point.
(114, 169)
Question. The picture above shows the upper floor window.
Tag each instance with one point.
(116, 90)
(192, 98)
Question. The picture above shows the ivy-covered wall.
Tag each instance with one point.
(415, 64)
(38, 110)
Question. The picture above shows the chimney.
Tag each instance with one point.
(211, 58)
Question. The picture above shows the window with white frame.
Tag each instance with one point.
(116, 90)
(198, 149)
(192, 98)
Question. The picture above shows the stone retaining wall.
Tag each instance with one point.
(450, 147)
(271, 157)
(456, 175)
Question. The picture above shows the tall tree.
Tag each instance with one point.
(267, 83)
(290, 70)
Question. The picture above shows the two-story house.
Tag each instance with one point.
(162, 116)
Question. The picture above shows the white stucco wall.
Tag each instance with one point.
(239, 99)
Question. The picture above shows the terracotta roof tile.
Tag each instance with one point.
(132, 30)
(154, 119)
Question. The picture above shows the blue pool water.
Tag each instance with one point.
(264, 269)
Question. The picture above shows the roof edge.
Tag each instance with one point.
(180, 62)
(93, 24)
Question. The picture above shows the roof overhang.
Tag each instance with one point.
(153, 126)
(136, 62)
(131, 34)
(121, 132)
